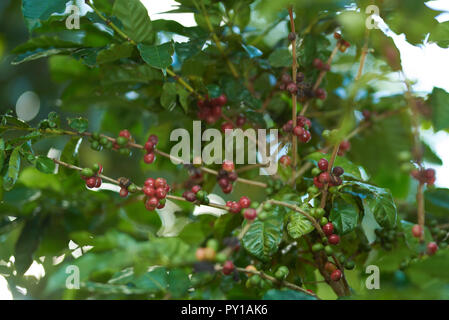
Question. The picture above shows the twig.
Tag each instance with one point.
(294, 98)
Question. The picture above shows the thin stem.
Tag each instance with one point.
(329, 169)
(294, 97)
(272, 279)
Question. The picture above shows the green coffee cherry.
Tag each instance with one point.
(323, 221)
(95, 167)
(213, 244)
(317, 247)
(254, 205)
(221, 257)
(95, 145)
(122, 141)
(404, 156)
(316, 171)
(320, 213)
(267, 206)
(263, 215)
(95, 135)
(312, 190)
(87, 172)
(329, 251)
(349, 265)
(124, 151)
(132, 188)
(103, 141)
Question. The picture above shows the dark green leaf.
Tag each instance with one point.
(135, 19)
(9, 180)
(437, 201)
(45, 165)
(159, 57)
(439, 100)
(78, 124)
(344, 214)
(298, 225)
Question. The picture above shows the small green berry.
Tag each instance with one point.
(122, 141)
(329, 251)
(103, 141)
(254, 205)
(213, 244)
(349, 265)
(95, 135)
(87, 172)
(323, 221)
(267, 206)
(132, 188)
(316, 171)
(317, 247)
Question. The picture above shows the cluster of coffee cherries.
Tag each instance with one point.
(210, 109)
(149, 148)
(210, 252)
(92, 176)
(424, 176)
(256, 281)
(99, 142)
(439, 235)
(196, 194)
(343, 45)
(239, 122)
(387, 237)
(249, 210)
(156, 191)
(323, 177)
(335, 274)
(301, 89)
(227, 176)
(301, 130)
(274, 185)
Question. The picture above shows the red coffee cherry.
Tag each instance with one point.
(227, 189)
(226, 126)
(125, 133)
(285, 160)
(321, 94)
(149, 158)
(149, 182)
(328, 229)
(153, 139)
(232, 176)
(223, 182)
(432, 248)
(149, 191)
(292, 88)
(338, 171)
(222, 100)
(317, 63)
(98, 182)
(195, 189)
(240, 121)
(245, 202)
(305, 137)
(323, 164)
(417, 231)
(330, 267)
(317, 183)
(228, 267)
(235, 207)
(334, 239)
(189, 196)
(228, 166)
(250, 214)
(324, 177)
(336, 275)
(91, 182)
(161, 193)
(153, 202)
(286, 78)
(160, 183)
(123, 192)
(303, 122)
(298, 131)
(149, 146)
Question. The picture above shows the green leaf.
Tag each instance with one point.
(439, 101)
(135, 20)
(159, 57)
(344, 214)
(78, 124)
(115, 52)
(36, 11)
(2, 153)
(45, 165)
(441, 34)
(280, 58)
(437, 201)
(9, 180)
(28, 243)
(39, 53)
(286, 294)
(168, 97)
(263, 237)
(298, 225)
(378, 201)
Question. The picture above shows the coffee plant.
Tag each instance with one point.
(91, 186)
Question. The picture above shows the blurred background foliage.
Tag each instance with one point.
(95, 75)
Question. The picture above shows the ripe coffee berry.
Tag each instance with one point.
(328, 229)
(222, 100)
(321, 94)
(245, 202)
(323, 164)
(149, 191)
(149, 182)
(324, 177)
(250, 214)
(189, 196)
(235, 207)
(338, 171)
(292, 88)
(125, 133)
(303, 122)
(336, 275)
(334, 239)
(149, 158)
(228, 166)
(298, 131)
(232, 176)
(223, 183)
(226, 126)
(305, 137)
(432, 248)
(195, 189)
(317, 183)
(417, 231)
(123, 192)
(317, 63)
(91, 182)
(286, 78)
(285, 160)
(330, 267)
(228, 267)
(161, 193)
(160, 183)
(149, 146)
(240, 121)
